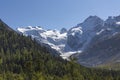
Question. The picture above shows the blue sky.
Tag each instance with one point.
(55, 14)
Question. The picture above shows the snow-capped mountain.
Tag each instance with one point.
(80, 35)
(51, 37)
(78, 39)
(104, 47)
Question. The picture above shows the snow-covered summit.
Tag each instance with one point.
(30, 28)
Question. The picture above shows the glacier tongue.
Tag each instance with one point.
(68, 54)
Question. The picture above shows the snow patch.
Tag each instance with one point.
(98, 33)
(118, 23)
(77, 29)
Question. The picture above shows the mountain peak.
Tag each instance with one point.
(63, 30)
(92, 18)
(90, 23)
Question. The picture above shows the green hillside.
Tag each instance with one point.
(21, 58)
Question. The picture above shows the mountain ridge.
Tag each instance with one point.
(80, 38)
(71, 41)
